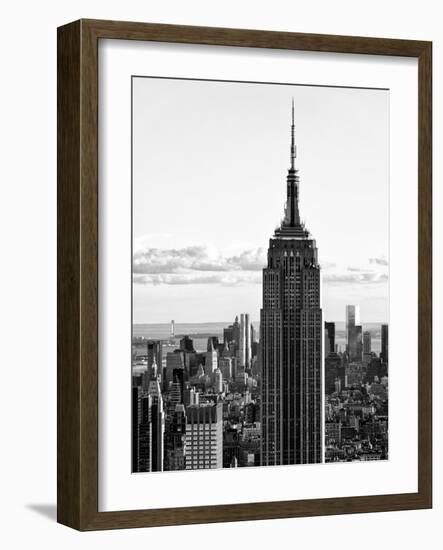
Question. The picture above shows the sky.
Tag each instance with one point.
(210, 161)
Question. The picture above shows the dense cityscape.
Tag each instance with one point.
(285, 394)
(356, 394)
(201, 409)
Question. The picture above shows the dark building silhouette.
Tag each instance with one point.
(333, 371)
(329, 338)
(154, 355)
(187, 344)
(358, 343)
(291, 339)
(154, 352)
(212, 343)
(384, 355)
(230, 447)
(367, 342)
(135, 423)
(151, 429)
(353, 333)
(175, 440)
(231, 334)
(144, 430)
(174, 360)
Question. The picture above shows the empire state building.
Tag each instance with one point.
(291, 339)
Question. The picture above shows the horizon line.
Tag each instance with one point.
(253, 321)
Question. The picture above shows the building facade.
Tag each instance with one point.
(175, 438)
(204, 436)
(245, 341)
(367, 342)
(353, 333)
(291, 339)
(157, 418)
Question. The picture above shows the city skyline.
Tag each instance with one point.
(215, 198)
(262, 399)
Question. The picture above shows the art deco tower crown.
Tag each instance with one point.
(291, 226)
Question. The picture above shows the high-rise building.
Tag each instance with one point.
(245, 341)
(352, 321)
(175, 448)
(204, 436)
(329, 338)
(358, 343)
(148, 426)
(231, 334)
(154, 354)
(291, 339)
(144, 434)
(157, 425)
(174, 360)
(228, 334)
(366, 342)
(218, 381)
(150, 374)
(333, 370)
(213, 343)
(136, 414)
(236, 331)
(187, 344)
(384, 355)
(191, 396)
(211, 358)
(225, 365)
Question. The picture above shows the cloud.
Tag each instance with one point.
(207, 265)
(360, 277)
(197, 265)
(373, 271)
(378, 261)
(224, 279)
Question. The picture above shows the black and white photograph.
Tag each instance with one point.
(260, 295)
(220, 284)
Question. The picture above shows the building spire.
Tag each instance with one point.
(292, 216)
(293, 153)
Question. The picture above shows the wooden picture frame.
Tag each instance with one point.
(78, 274)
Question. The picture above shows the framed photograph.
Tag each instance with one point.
(244, 275)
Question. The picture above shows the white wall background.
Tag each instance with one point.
(28, 276)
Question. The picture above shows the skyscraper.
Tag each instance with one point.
(154, 353)
(157, 418)
(218, 380)
(143, 449)
(245, 341)
(384, 355)
(329, 338)
(204, 436)
(174, 360)
(366, 342)
(148, 426)
(352, 332)
(187, 344)
(358, 343)
(175, 440)
(211, 358)
(291, 339)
